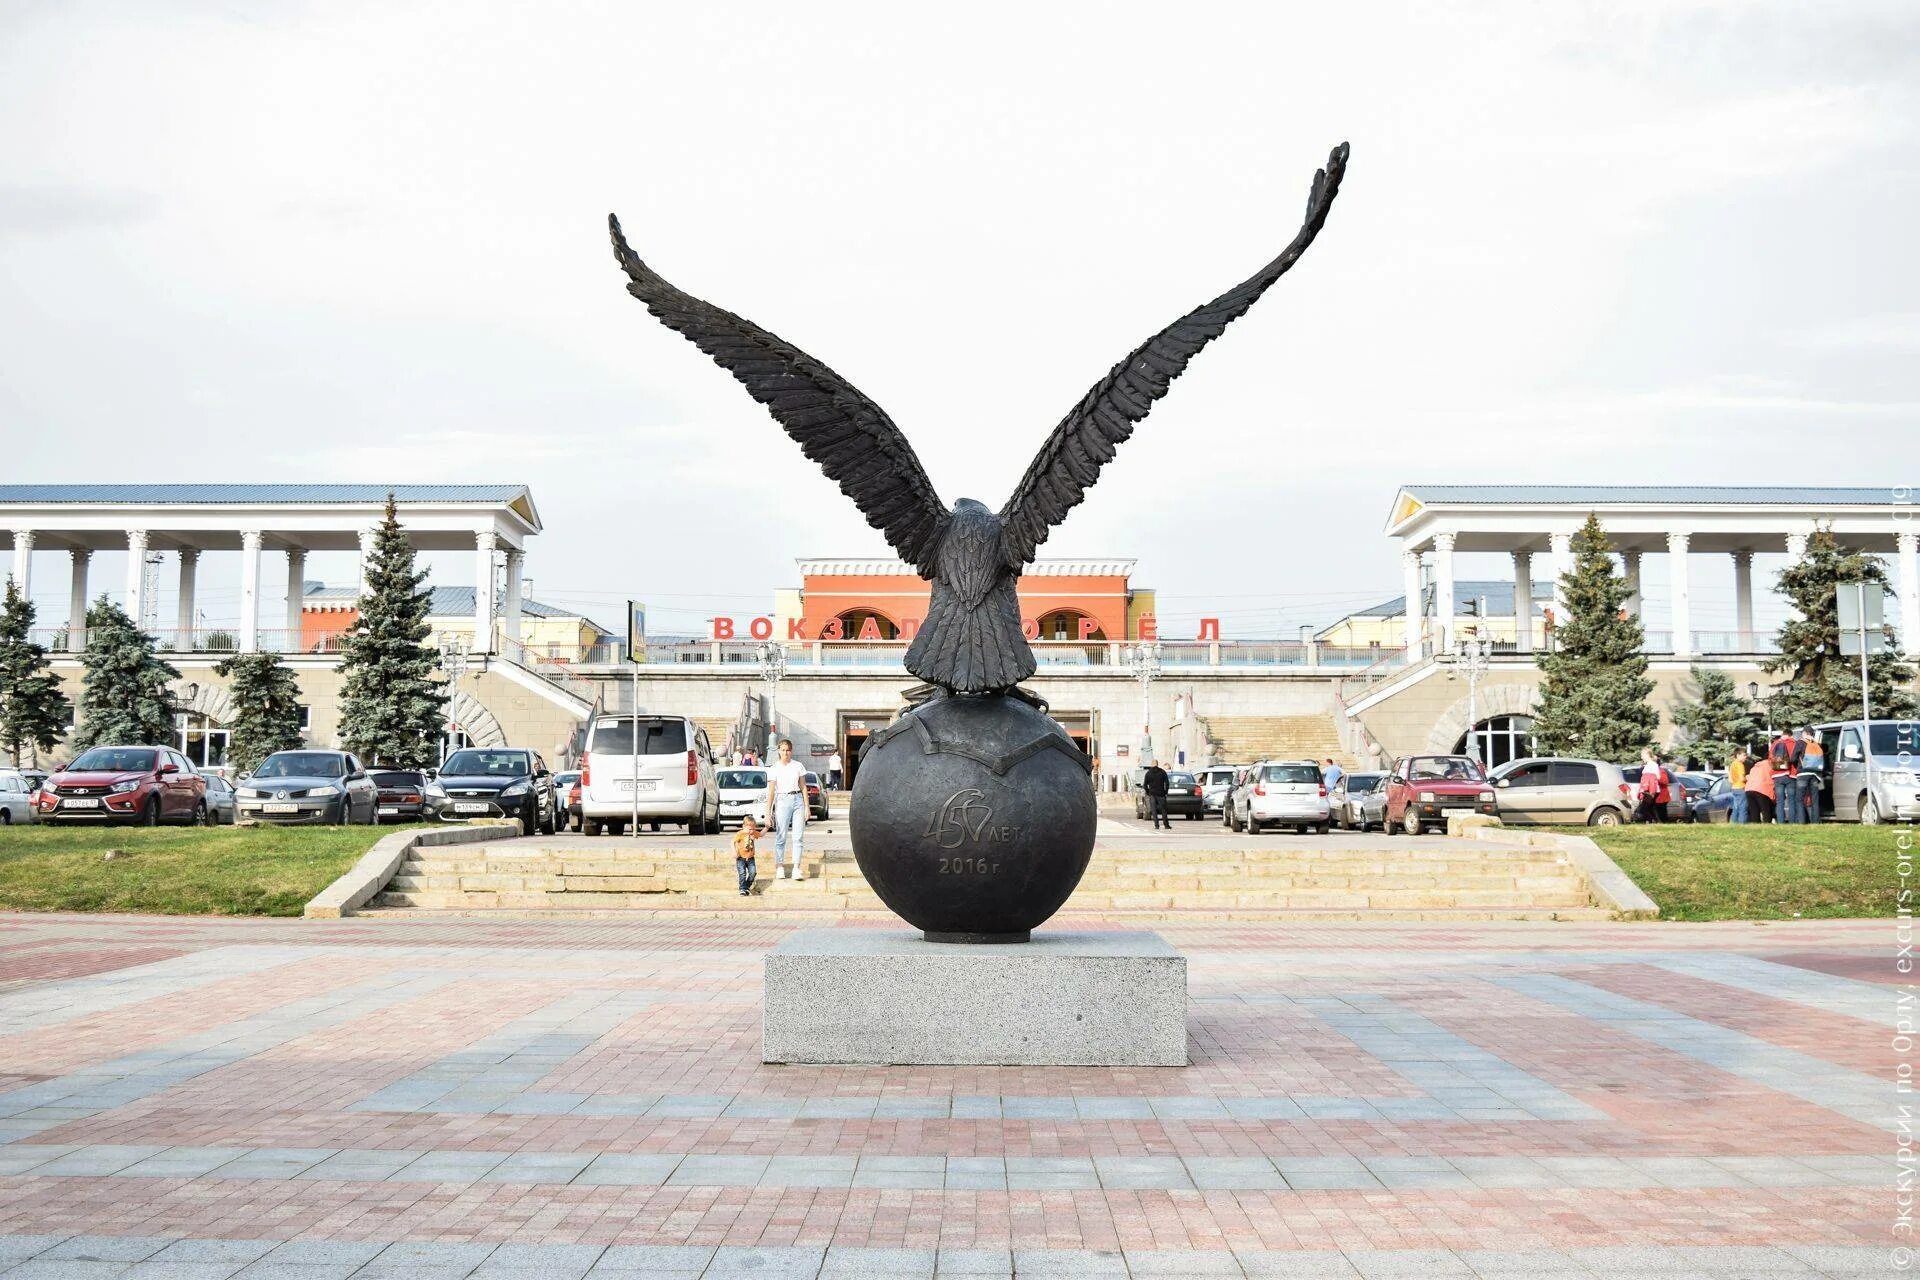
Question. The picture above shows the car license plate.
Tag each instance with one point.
(645, 784)
(389, 811)
(471, 807)
(280, 808)
(79, 804)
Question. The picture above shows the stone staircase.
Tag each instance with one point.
(1260, 879)
(1244, 739)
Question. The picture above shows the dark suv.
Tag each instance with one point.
(494, 782)
(144, 785)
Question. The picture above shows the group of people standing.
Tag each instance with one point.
(1782, 784)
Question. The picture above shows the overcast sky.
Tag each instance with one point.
(330, 241)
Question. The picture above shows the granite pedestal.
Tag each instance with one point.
(888, 996)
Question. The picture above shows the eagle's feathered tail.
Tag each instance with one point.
(972, 648)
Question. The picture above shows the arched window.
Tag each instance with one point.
(1498, 739)
(202, 739)
(853, 621)
(1064, 624)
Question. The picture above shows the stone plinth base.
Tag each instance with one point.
(888, 996)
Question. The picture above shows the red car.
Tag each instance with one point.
(1423, 790)
(142, 785)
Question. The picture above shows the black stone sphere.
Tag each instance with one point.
(973, 817)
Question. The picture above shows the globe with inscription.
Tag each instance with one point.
(972, 817)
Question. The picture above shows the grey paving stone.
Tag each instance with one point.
(14, 1249)
(793, 1262)
(1517, 1264)
(900, 1172)
(20, 1157)
(154, 1270)
(1234, 1173)
(405, 1254)
(892, 1264)
(449, 1166)
(325, 1252)
(238, 1252)
(540, 1261)
(1037, 1108)
(975, 1107)
(809, 1171)
(1142, 1173)
(273, 1162)
(360, 1166)
(1281, 1264)
(97, 1161)
(628, 1169)
(1153, 1264)
(66, 1269)
(1392, 1264)
(183, 1162)
(1076, 1263)
(1743, 1258)
(976, 1173)
(657, 1257)
(267, 1269)
(538, 1167)
(984, 1264)
(106, 1248)
(1841, 1260)
(1051, 1173)
(718, 1171)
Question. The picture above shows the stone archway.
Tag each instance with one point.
(209, 700)
(1493, 700)
(475, 720)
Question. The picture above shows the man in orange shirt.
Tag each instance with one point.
(1760, 790)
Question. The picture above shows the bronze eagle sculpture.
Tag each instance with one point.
(970, 640)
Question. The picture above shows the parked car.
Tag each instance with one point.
(1870, 774)
(223, 806)
(16, 798)
(1373, 805)
(1423, 790)
(36, 778)
(573, 806)
(1347, 797)
(1676, 791)
(816, 801)
(1716, 805)
(1281, 793)
(1184, 796)
(1215, 782)
(144, 785)
(674, 781)
(313, 787)
(743, 792)
(1560, 789)
(494, 782)
(562, 791)
(402, 794)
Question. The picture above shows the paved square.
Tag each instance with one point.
(499, 1097)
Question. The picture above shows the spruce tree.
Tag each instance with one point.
(1716, 718)
(392, 708)
(124, 699)
(1593, 701)
(33, 711)
(266, 708)
(1825, 682)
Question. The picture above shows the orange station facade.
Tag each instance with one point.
(881, 599)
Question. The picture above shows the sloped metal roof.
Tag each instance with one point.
(1684, 494)
(446, 602)
(214, 494)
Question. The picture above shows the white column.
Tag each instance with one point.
(183, 619)
(483, 547)
(296, 597)
(1443, 591)
(1410, 580)
(1559, 560)
(1677, 544)
(250, 591)
(1743, 601)
(1909, 568)
(79, 558)
(1796, 546)
(510, 606)
(136, 574)
(22, 573)
(1636, 603)
(1523, 600)
(366, 557)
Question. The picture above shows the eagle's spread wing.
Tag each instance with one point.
(1070, 461)
(850, 436)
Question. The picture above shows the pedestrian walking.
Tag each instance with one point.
(1785, 753)
(1154, 783)
(833, 772)
(1653, 788)
(1813, 773)
(1760, 790)
(1737, 786)
(787, 802)
(743, 853)
(1330, 774)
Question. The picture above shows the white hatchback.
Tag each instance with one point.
(667, 775)
(743, 792)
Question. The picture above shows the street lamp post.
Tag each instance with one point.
(1471, 657)
(1145, 661)
(773, 667)
(453, 663)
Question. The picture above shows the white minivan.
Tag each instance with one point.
(674, 780)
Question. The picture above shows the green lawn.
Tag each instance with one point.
(224, 871)
(1761, 873)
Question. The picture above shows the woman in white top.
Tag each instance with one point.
(787, 802)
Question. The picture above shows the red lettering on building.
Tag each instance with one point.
(870, 629)
(1209, 629)
(1030, 628)
(723, 628)
(796, 628)
(1087, 627)
(833, 630)
(760, 628)
(1149, 627)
